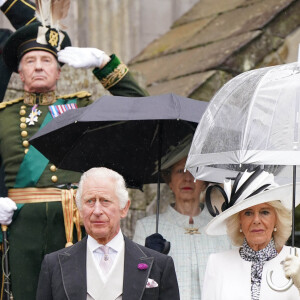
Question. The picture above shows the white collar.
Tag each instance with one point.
(115, 244)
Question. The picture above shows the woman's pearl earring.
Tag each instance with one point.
(241, 230)
(275, 229)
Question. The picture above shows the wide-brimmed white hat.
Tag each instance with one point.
(217, 226)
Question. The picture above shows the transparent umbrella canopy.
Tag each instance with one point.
(252, 120)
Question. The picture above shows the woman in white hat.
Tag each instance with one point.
(256, 215)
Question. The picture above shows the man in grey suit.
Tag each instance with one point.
(105, 264)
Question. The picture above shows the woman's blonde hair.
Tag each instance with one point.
(283, 226)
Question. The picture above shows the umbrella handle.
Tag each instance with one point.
(283, 288)
(277, 288)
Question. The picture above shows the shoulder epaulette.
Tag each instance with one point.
(81, 94)
(10, 102)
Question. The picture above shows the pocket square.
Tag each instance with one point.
(151, 284)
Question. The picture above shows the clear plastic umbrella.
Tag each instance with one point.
(252, 120)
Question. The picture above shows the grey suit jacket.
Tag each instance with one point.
(63, 274)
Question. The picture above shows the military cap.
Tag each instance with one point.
(31, 37)
(19, 13)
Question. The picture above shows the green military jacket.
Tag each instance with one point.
(15, 132)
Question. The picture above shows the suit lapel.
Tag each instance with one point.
(73, 268)
(135, 280)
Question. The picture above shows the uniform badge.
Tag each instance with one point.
(33, 116)
(52, 37)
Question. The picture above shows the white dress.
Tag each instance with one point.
(228, 277)
(189, 251)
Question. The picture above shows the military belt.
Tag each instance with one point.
(66, 196)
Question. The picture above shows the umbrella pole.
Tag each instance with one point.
(293, 206)
(167, 244)
(158, 173)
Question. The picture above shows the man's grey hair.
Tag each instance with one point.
(100, 173)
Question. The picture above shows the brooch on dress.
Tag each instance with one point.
(192, 230)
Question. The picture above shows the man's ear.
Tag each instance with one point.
(124, 210)
(21, 75)
(58, 74)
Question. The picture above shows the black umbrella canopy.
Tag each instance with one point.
(126, 134)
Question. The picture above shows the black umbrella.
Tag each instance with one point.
(121, 133)
(126, 134)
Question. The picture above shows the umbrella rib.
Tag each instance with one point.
(247, 124)
(154, 134)
(269, 133)
(105, 126)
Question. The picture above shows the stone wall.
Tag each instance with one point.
(123, 27)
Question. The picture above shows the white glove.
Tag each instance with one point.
(291, 268)
(82, 57)
(2, 2)
(7, 208)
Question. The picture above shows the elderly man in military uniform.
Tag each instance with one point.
(43, 193)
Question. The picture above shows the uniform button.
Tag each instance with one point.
(26, 150)
(25, 143)
(24, 133)
(54, 178)
(23, 125)
(23, 107)
(53, 168)
(23, 119)
(22, 112)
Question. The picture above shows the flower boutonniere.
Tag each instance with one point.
(142, 266)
